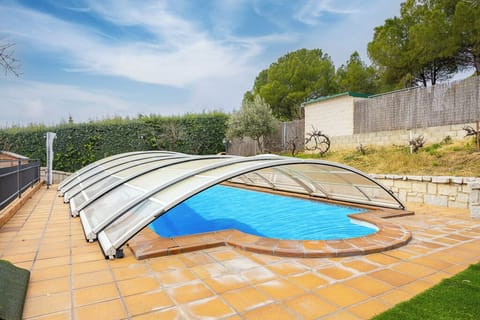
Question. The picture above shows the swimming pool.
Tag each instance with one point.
(262, 214)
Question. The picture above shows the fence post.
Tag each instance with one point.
(18, 178)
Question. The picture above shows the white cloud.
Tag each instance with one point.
(177, 56)
(313, 10)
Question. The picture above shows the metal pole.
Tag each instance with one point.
(18, 178)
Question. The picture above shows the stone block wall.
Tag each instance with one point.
(444, 191)
(399, 137)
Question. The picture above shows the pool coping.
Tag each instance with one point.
(147, 244)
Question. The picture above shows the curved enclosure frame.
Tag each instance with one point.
(126, 199)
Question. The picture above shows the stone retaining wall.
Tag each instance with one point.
(399, 137)
(444, 191)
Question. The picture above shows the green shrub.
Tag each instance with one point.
(77, 145)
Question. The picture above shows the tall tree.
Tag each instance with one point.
(254, 120)
(356, 76)
(292, 79)
(466, 31)
(416, 47)
(7, 59)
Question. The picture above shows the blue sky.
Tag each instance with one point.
(93, 59)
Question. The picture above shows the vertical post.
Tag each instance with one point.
(18, 177)
(48, 171)
(478, 135)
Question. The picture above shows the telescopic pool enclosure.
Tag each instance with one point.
(117, 197)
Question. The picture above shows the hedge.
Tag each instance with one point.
(77, 145)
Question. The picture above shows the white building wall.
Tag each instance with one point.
(334, 117)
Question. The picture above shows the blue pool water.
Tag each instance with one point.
(262, 214)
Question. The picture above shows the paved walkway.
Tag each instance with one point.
(70, 279)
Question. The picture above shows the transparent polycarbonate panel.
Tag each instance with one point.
(109, 203)
(111, 164)
(169, 196)
(99, 186)
(343, 184)
(135, 219)
(197, 182)
(136, 165)
(156, 178)
(82, 185)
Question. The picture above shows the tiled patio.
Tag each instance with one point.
(70, 278)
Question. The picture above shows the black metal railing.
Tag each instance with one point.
(14, 180)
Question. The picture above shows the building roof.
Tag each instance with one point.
(351, 94)
(118, 197)
(14, 155)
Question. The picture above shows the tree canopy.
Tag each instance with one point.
(429, 42)
(466, 32)
(356, 76)
(294, 77)
(254, 120)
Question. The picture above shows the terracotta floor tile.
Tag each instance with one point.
(239, 264)
(245, 298)
(368, 309)
(63, 315)
(393, 297)
(166, 263)
(95, 294)
(392, 277)
(175, 277)
(226, 282)
(335, 273)
(308, 280)
(310, 306)
(189, 292)
(166, 314)
(381, 258)
(257, 275)
(368, 285)
(17, 258)
(91, 266)
(137, 285)
(413, 269)
(43, 305)
(431, 263)
(147, 302)
(91, 279)
(286, 268)
(196, 258)
(47, 287)
(341, 315)
(341, 294)
(360, 265)
(272, 311)
(51, 262)
(417, 287)
(109, 310)
(209, 308)
(280, 289)
(208, 270)
(224, 255)
(50, 273)
(437, 277)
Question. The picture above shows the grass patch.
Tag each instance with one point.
(447, 158)
(454, 298)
